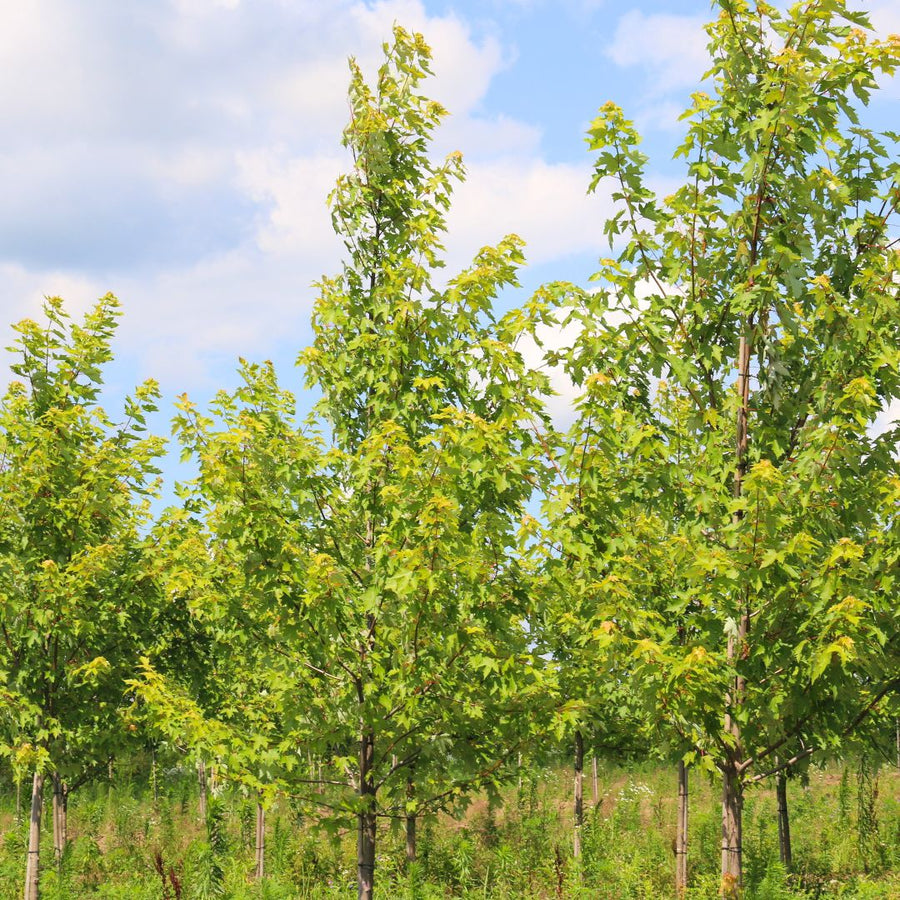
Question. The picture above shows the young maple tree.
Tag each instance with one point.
(234, 556)
(74, 488)
(428, 405)
(752, 316)
(374, 569)
(587, 604)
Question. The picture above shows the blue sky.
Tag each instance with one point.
(178, 152)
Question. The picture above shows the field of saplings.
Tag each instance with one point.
(420, 633)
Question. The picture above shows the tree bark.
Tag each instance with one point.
(33, 865)
(260, 872)
(579, 791)
(410, 822)
(784, 824)
(732, 785)
(365, 844)
(18, 801)
(154, 776)
(732, 803)
(681, 835)
(201, 779)
(595, 784)
(60, 818)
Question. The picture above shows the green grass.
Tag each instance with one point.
(124, 846)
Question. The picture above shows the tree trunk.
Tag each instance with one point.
(732, 803)
(18, 800)
(410, 822)
(64, 817)
(33, 865)
(681, 835)
(784, 824)
(260, 872)
(154, 776)
(595, 784)
(579, 791)
(60, 818)
(201, 778)
(732, 786)
(365, 844)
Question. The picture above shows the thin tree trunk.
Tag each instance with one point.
(579, 791)
(681, 836)
(60, 818)
(732, 786)
(595, 784)
(64, 816)
(260, 841)
(732, 802)
(33, 865)
(784, 823)
(18, 800)
(154, 776)
(365, 844)
(201, 779)
(410, 822)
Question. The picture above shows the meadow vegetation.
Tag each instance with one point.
(517, 843)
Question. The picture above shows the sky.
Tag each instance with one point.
(179, 152)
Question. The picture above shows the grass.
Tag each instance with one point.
(846, 844)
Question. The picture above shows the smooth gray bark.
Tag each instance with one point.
(33, 865)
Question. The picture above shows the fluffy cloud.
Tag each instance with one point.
(671, 53)
(561, 406)
(671, 49)
(886, 20)
(179, 153)
(547, 205)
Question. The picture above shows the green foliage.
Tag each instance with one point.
(356, 617)
(205, 871)
(74, 488)
(741, 535)
(364, 615)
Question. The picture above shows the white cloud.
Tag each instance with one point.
(294, 189)
(887, 418)
(463, 69)
(671, 48)
(179, 153)
(885, 19)
(561, 406)
(545, 204)
(671, 53)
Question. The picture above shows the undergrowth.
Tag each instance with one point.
(126, 846)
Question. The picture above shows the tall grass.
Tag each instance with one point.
(845, 825)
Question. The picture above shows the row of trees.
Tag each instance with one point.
(364, 609)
